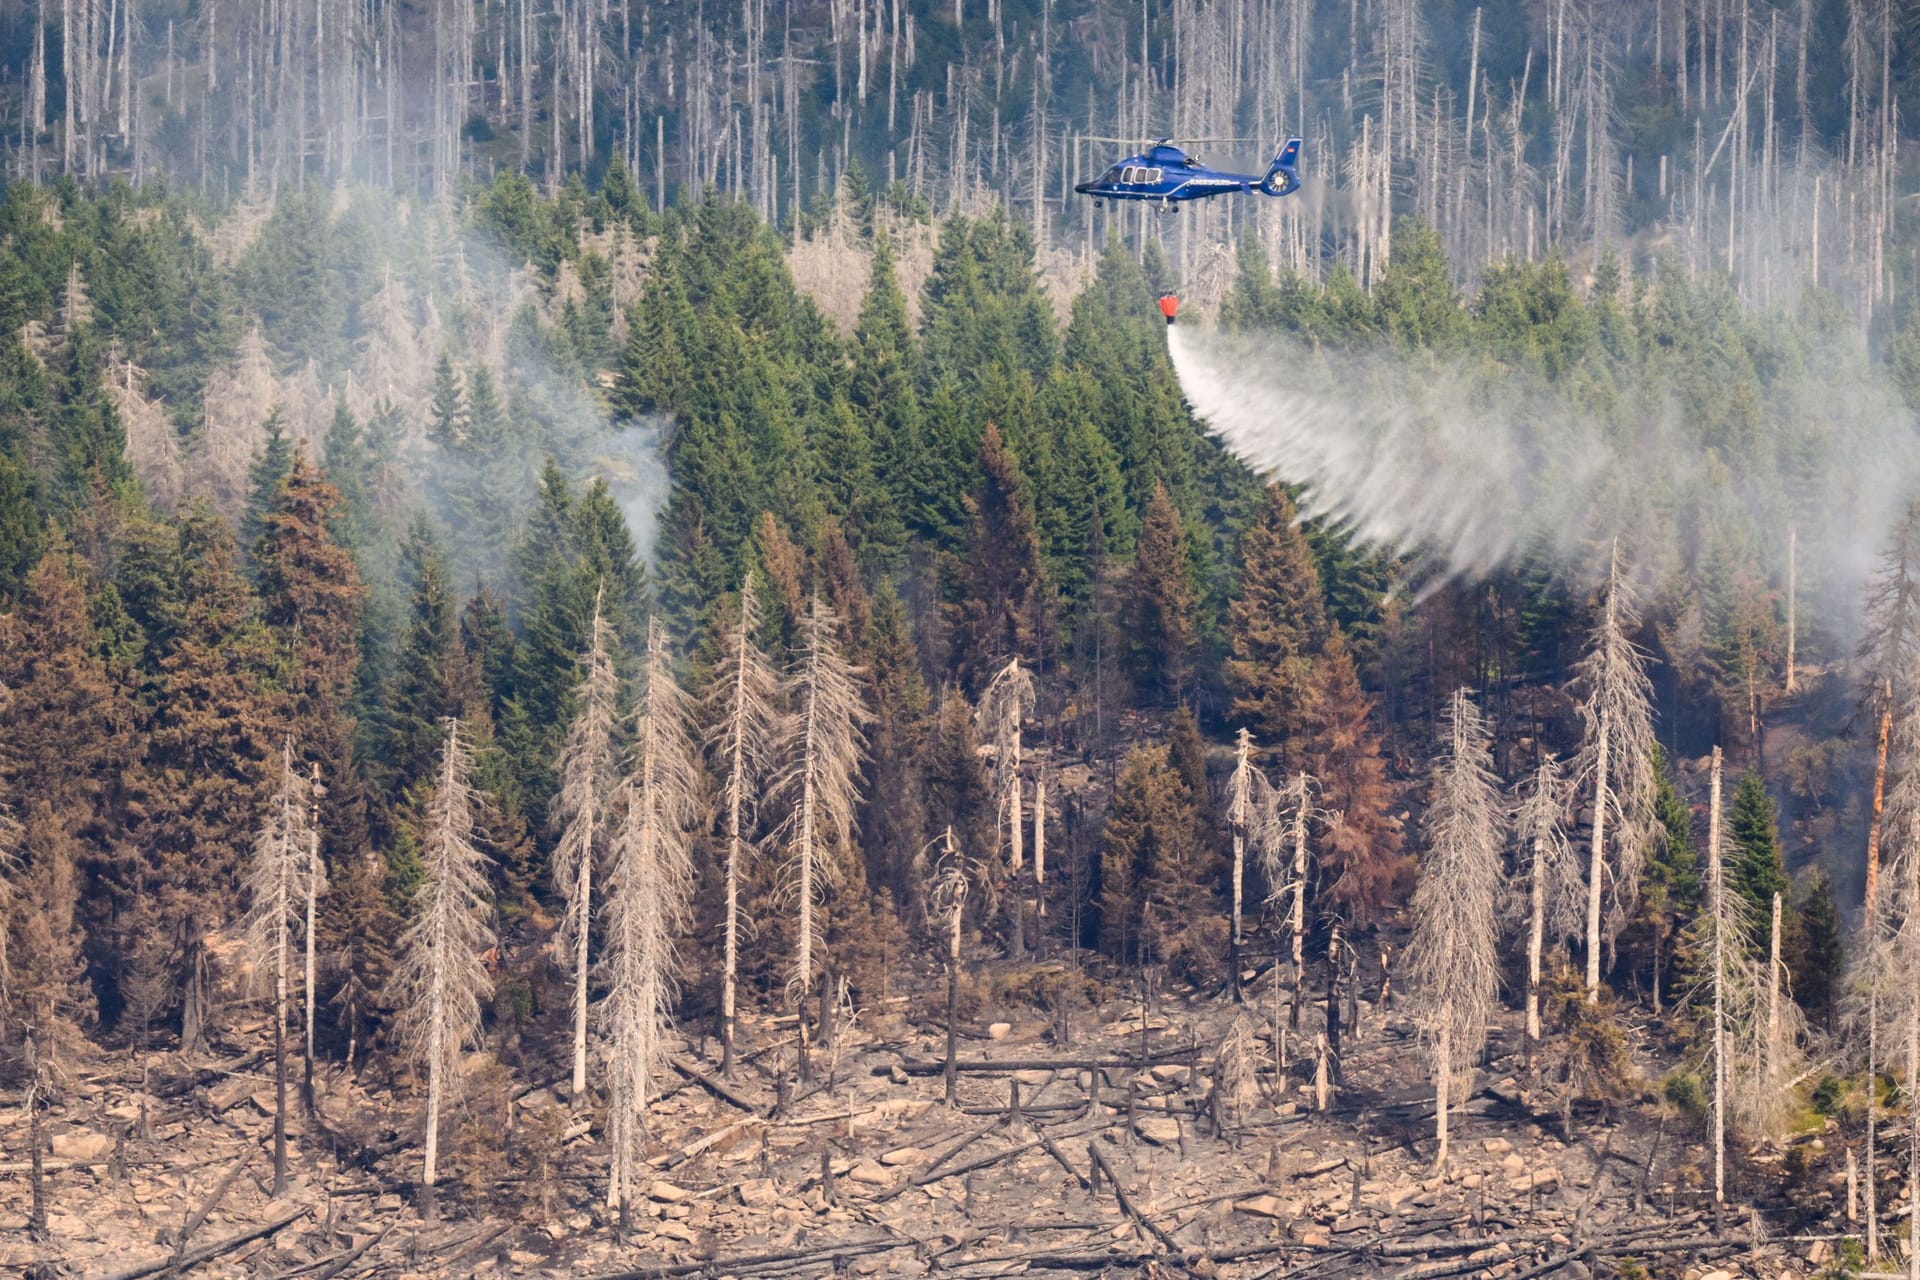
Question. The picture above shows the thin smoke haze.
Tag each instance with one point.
(1472, 469)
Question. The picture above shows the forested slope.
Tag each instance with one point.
(540, 592)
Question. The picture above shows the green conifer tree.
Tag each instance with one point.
(1756, 867)
(1275, 624)
(270, 467)
(1160, 605)
(1004, 609)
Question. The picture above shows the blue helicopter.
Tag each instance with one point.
(1165, 174)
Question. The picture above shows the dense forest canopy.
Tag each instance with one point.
(465, 453)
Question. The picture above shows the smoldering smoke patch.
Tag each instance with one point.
(633, 458)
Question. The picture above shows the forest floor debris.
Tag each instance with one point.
(1061, 1159)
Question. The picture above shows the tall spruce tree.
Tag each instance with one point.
(1003, 610)
(312, 597)
(62, 738)
(432, 675)
(441, 977)
(270, 467)
(741, 711)
(209, 739)
(1757, 869)
(1453, 959)
(1359, 851)
(1615, 766)
(1819, 956)
(1160, 604)
(649, 883)
(1276, 623)
(1151, 886)
(587, 778)
(882, 385)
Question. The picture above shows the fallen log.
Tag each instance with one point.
(1053, 1149)
(207, 1206)
(1126, 1202)
(688, 1152)
(205, 1252)
(933, 1067)
(756, 1261)
(712, 1085)
(333, 1264)
(169, 1085)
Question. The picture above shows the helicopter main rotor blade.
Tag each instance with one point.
(1129, 142)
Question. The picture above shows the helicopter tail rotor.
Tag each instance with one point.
(1283, 178)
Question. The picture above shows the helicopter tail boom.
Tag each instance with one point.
(1282, 176)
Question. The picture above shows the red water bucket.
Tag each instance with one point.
(1169, 305)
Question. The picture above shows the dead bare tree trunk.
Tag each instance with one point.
(740, 711)
(1553, 883)
(1004, 707)
(1879, 799)
(1239, 814)
(1453, 959)
(825, 743)
(316, 880)
(1774, 1045)
(281, 852)
(946, 902)
(1793, 592)
(441, 976)
(649, 883)
(1617, 756)
(586, 780)
(35, 1100)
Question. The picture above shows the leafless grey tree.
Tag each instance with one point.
(1891, 945)
(741, 711)
(587, 778)
(1552, 874)
(1731, 989)
(1283, 823)
(1616, 760)
(819, 780)
(1241, 810)
(650, 883)
(10, 834)
(441, 977)
(275, 886)
(946, 906)
(314, 880)
(1000, 717)
(1453, 960)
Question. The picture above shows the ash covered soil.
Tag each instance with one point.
(1062, 1155)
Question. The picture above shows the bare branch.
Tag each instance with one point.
(441, 976)
(824, 745)
(586, 781)
(741, 711)
(650, 884)
(1616, 760)
(1453, 961)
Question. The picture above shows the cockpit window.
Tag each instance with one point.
(1111, 176)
